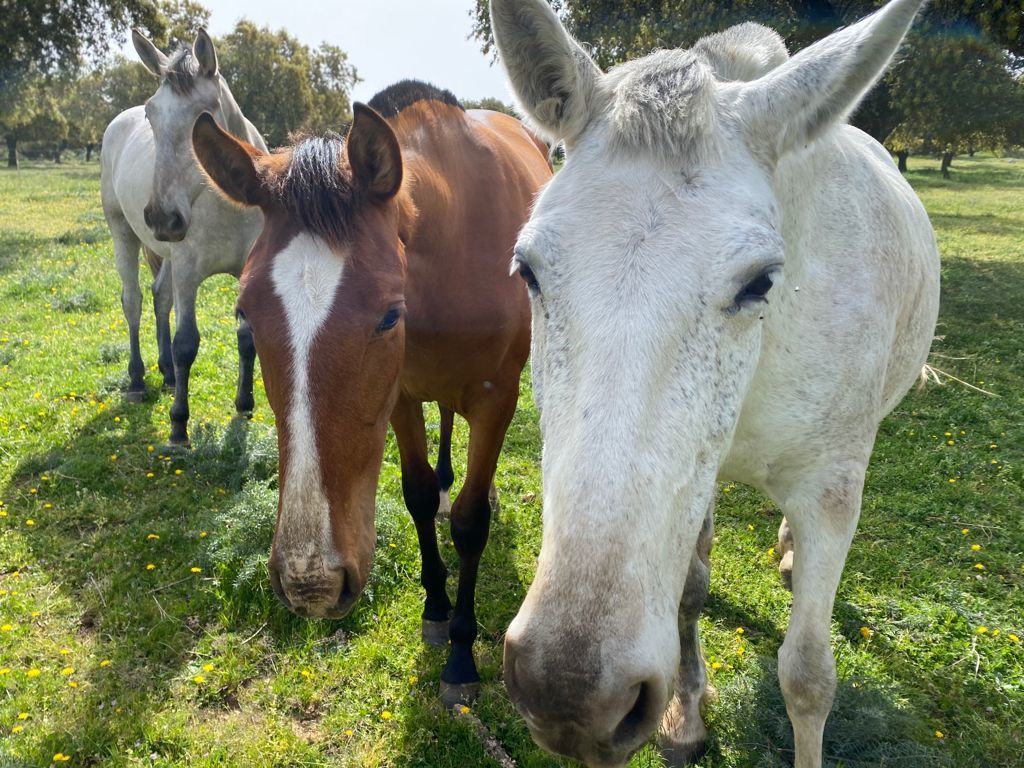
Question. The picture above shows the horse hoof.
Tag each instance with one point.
(444, 506)
(677, 755)
(179, 444)
(135, 395)
(245, 414)
(435, 633)
(786, 570)
(454, 695)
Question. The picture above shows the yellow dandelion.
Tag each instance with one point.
(60, 757)
(72, 684)
(17, 729)
(194, 569)
(716, 665)
(975, 547)
(47, 505)
(203, 534)
(463, 710)
(950, 442)
(992, 446)
(30, 521)
(952, 480)
(35, 614)
(117, 419)
(981, 630)
(1013, 638)
(995, 632)
(152, 536)
(979, 566)
(306, 673)
(65, 651)
(866, 632)
(413, 679)
(771, 551)
(5, 670)
(23, 715)
(750, 527)
(385, 715)
(178, 471)
(740, 651)
(150, 475)
(105, 663)
(199, 679)
(150, 566)
(207, 667)
(68, 671)
(3, 592)
(965, 531)
(949, 434)
(6, 628)
(939, 735)
(348, 731)
(113, 457)
(150, 448)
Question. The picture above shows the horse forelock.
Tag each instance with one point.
(313, 184)
(181, 71)
(666, 102)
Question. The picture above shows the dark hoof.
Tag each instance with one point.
(244, 414)
(455, 695)
(176, 443)
(678, 755)
(435, 633)
(135, 395)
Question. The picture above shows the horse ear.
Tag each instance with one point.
(205, 54)
(374, 154)
(553, 79)
(151, 56)
(822, 84)
(229, 163)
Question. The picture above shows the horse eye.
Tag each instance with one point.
(756, 290)
(390, 320)
(529, 278)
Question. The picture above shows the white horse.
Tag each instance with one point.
(728, 282)
(154, 195)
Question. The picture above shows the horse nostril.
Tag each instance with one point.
(147, 215)
(634, 724)
(176, 223)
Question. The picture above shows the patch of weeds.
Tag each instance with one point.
(86, 235)
(112, 352)
(83, 301)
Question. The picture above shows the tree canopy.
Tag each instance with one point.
(956, 74)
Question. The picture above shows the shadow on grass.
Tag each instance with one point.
(866, 726)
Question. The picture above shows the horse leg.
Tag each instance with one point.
(163, 300)
(786, 553)
(126, 256)
(244, 402)
(682, 736)
(185, 345)
(470, 525)
(420, 489)
(823, 515)
(443, 470)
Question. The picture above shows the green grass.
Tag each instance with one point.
(173, 667)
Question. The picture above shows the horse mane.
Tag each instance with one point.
(181, 70)
(312, 183)
(405, 93)
(665, 102)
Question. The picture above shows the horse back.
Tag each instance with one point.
(471, 177)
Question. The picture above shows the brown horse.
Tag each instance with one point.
(381, 281)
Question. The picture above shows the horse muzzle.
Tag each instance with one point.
(321, 593)
(167, 226)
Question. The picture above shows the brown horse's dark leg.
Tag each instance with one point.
(443, 470)
(419, 486)
(470, 524)
(244, 402)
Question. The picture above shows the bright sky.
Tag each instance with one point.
(386, 40)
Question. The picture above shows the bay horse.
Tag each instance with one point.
(154, 195)
(728, 282)
(381, 281)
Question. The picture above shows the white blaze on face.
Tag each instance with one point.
(306, 276)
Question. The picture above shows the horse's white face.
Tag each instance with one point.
(190, 85)
(651, 258)
(649, 286)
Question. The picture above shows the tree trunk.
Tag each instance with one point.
(901, 160)
(12, 151)
(56, 154)
(88, 152)
(947, 160)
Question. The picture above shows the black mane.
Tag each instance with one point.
(404, 93)
(181, 71)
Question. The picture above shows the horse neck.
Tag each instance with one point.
(235, 122)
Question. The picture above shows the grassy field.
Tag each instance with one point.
(138, 627)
